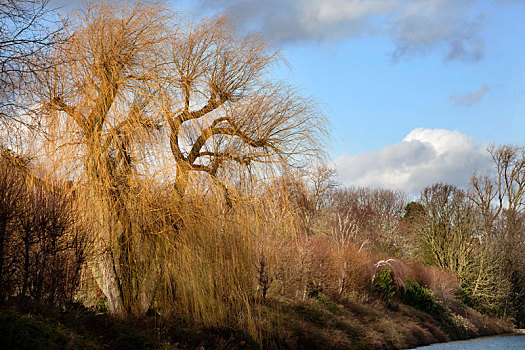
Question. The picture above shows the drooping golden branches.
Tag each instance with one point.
(138, 90)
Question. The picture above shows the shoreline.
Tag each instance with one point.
(503, 335)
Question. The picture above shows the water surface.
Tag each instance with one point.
(507, 342)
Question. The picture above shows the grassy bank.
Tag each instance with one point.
(316, 323)
(320, 323)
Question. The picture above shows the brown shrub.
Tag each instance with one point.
(358, 267)
(43, 246)
(324, 266)
(398, 273)
(304, 266)
(443, 283)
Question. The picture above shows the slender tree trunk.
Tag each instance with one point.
(343, 280)
(27, 244)
(3, 243)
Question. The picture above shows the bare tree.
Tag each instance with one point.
(223, 111)
(320, 180)
(127, 74)
(97, 102)
(507, 190)
(42, 242)
(11, 194)
(501, 202)
(27, 30)
(447, 227)
(451, 230)
(372, 215)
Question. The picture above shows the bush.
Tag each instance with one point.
(443, 284)
(419, 297)
(358, 266)
(384, 286)
(43, 245)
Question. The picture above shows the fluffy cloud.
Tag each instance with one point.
(423, 157)
(454, 26)
(416, 27)
(470, 98)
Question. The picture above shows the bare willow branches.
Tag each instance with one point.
(97, 103)
(224, 113)
(138, 90)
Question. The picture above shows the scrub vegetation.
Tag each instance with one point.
(158, 189)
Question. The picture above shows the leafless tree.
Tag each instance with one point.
(372, 215)
(507, 190)
(129, 73)
(27, 31)
(11, 195)
(97, 102)
(42, 242)
(320, 182)
(223, 111)
(447, 227)
(450, 227)
(500, 199)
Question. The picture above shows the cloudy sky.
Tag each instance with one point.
(415, 89)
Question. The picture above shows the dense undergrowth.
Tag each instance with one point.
(316, 323)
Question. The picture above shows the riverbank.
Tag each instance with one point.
(321, 324)
(316, 323)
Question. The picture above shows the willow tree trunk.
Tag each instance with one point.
(122, 303)
(106, 278)
(128, 286)
(181, 178)
(126, 278)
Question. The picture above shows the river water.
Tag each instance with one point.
(507, 342)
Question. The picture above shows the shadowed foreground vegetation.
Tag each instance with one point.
(158, 189)
(312, 324)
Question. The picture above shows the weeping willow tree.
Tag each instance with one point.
(96, 101)
(142, 91)
(224, 114)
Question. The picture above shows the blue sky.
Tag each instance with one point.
(400, 80)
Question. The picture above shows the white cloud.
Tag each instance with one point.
(416, 27)
(422, 158)
(470, 98)
(454, 26)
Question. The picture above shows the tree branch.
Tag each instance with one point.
(213, 103)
